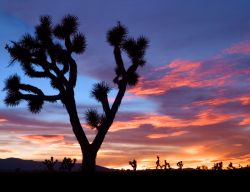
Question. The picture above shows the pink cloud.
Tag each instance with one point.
(241, 47)
(180, 73)
(244, 100)
(210, 117)
(246, 120)
(3, 120)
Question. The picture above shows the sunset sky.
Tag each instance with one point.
(192, 102)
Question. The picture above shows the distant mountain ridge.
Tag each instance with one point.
(16, 164)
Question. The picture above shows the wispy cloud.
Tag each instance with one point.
(5, 151)
(203, 118)
(244, 100)
(241, 47)
(3, 120)
(42, 138)
(181, 73)
(166, 135)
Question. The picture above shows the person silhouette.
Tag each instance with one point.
(158, 162)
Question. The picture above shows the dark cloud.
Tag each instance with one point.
(176, 102)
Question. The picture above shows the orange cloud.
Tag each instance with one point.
(242, 47)
(180, 73)
(244, 100)
(162, 135)
(237, 145)
(213, 102)
(156, 120)
(193, 150)
(42, 138)
(207, 117)
(246, 120)
(5, 151)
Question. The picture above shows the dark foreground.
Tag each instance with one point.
(128, 180)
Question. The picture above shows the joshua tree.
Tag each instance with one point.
(218, 166)
(49, 54)
(166, 165)
(50, 163)
(133, 164)
(202, 167)
(230, 166)
(180, 165)
(68, 164)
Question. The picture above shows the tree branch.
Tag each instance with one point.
(30, 88)
(68, 44)
(72, 72)
(133, 68)
(105, 105)
(49, 98)
(110, 117)
(47, 66)
(38, 94)
(118, 59)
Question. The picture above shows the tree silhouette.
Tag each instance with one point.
(48, 55)
(218, 166)
(133, 164)
(180, 165)
(230, 166)
(50, 163)
(166, 165)
(202, 167)
(68, 164)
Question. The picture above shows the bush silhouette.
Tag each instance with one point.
(202, 167)
(67, 164)
(218, 166)
(49, 54)
(50, 163)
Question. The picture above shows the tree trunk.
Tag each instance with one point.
(89, 160)
(88, 154)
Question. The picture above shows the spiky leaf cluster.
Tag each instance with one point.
(136, 49)
(100, 91)
(67, 27)
(12, 85)
(93, 118)
(117, 35)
